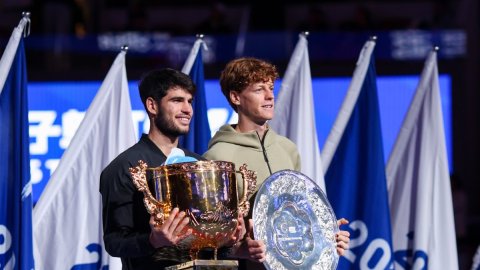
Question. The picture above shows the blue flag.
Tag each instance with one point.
(197, 138)
(356, 182)
(15, 186)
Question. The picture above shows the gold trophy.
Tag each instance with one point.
(207, 192)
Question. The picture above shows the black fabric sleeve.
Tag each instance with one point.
(125, 219)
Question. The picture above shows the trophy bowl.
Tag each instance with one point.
(205, 190)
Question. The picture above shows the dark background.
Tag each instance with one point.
(66, 37)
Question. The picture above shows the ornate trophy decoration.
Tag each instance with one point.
(205, 190)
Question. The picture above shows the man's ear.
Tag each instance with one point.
(235, 97)
(152, 106)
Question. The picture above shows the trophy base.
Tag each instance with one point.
(205, 265)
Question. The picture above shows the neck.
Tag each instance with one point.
(246, 125)
(163, 142)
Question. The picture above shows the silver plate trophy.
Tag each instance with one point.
(293, 217)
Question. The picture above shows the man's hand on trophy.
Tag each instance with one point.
(342, 237)
(239, 232)
(249, 248)
(171, 231)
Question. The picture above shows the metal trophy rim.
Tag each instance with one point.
(280, 194)
(195, 166)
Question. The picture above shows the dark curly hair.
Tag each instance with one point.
(156, 83)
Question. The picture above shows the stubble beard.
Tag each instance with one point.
(167, 127)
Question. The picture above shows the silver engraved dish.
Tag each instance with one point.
(293, 217)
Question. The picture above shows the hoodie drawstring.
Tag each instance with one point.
(263, 150)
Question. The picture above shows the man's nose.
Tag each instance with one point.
(269, 95)
(187, 107)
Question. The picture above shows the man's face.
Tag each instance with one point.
(256, 102)
(174, 112)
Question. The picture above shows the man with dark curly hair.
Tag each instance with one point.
(130, 232)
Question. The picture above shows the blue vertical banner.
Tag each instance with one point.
(199, 135)
(16, 248)
(356, 181)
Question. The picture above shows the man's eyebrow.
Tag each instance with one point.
(180, 98)
(177, 97)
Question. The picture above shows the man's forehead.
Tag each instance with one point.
(265, 82)
(178, 91)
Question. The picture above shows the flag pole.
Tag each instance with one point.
(12, 45)
(25, 22)
(193, 52)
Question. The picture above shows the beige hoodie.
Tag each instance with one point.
(265, 156)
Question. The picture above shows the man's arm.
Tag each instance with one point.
(123, 213)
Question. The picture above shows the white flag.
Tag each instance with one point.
(294, 112)
(419, 183)
(67, 220)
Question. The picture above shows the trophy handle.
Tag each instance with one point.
(249, 186)
(160, 210)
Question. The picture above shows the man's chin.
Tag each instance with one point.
(184, 131)
(181, 132)
(264, 120)
(175, 132)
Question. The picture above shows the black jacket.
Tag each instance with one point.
(125, 218)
